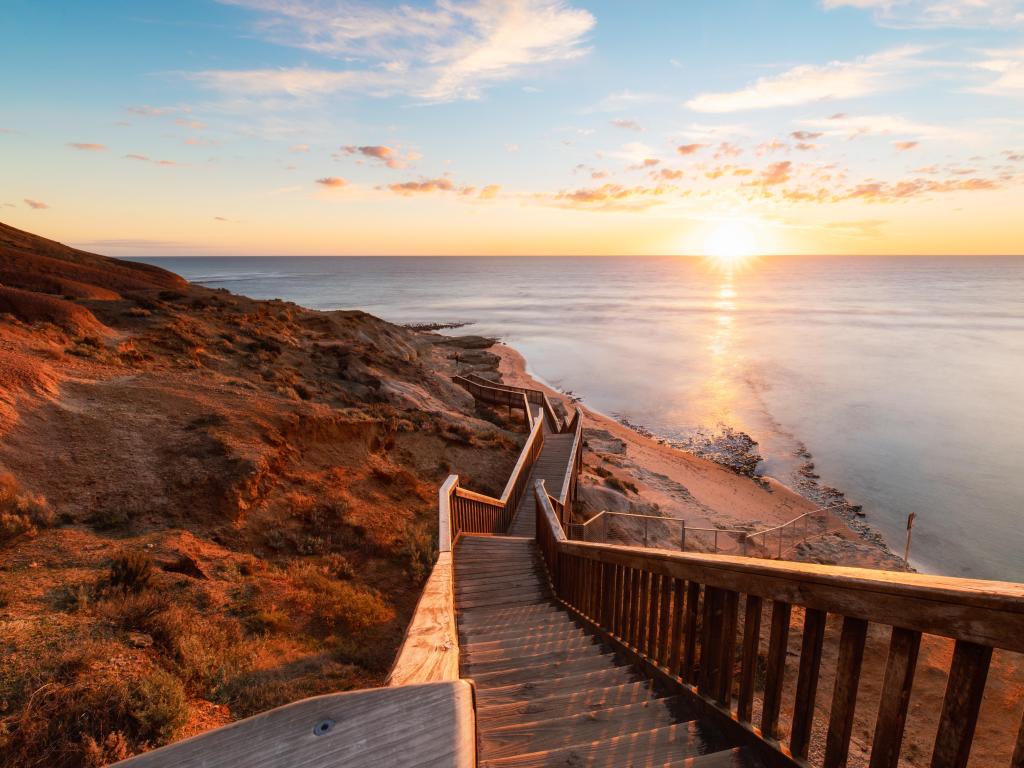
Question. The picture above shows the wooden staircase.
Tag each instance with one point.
(551, 467)
(548, 692)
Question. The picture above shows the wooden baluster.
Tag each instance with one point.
(665, 630)
(595, 589)
(690, 647)
(748, 672)
(617, 586)
(776, 671)
(678, 614)
(607, 588)
(627, 606)
(1017, 761)
(634, 607)
(844, 694)
(964, 689)
(653, 616)
(711, 630)
(727, 643)
(641, 619)
(807, 681)
(892, 710)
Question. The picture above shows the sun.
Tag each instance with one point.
(730, 243)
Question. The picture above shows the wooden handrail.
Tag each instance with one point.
(416, 725)
(536, 396)
(678, 615)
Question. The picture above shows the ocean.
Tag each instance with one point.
(901, 377)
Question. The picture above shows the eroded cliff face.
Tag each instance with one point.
(209, 505)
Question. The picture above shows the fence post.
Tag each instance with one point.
(645, 532)
(780, 542)
(743, 544)
(605, 516)
(682, 539)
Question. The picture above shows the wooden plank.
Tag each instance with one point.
(430, 650)
(844, 693)
(711, 629)
(748, 670)
(653, 616)
(640, 750)
(983, 612)
(574, 728)
(643, 610)
(892, 709)
(678, 614)
(690, 647)
(964, 689)
(1017, 761)
(807, 682)
(527, 710)
(428, 725)
(727, 643)
(777, 644)
(665, 629)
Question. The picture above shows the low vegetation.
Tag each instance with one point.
(209, 506)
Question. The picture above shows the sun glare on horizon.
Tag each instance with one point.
(730, 243)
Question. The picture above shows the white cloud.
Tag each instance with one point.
(620, 100)
(938, 13)
(451, 50)
(1009, 68)
(807, 83)
(852, 126)
(298, 82)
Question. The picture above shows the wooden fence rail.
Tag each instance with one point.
(679, 615)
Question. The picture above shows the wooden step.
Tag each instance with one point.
(532, 709)
(474, 667)
(526, 629)
(643, 749)
(548, 671)
(567, 632)
(533, 598)
(580, 644)
(598, 725)
(511, 693)
(498, 616)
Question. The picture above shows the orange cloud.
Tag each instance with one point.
(629, 125)
(143, 158)
(386, 155)
(903, 146)
(332, 181)
(37, 205)
(421, 187)
(776, 173)
(689, 149)
(806, 135)
(489, 192)
(89, 147)
(613, 197)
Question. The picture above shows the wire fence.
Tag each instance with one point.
(673, 533)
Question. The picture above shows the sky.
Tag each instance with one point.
(477, 127)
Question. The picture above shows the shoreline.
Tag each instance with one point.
(675, 481)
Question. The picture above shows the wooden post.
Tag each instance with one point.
(910, 528)
(682, 540)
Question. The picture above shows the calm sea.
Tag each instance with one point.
(904, 377)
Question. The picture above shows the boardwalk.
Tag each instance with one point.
(549, 693)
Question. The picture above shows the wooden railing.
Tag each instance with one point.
(489, 392)
(563, 502)
(688, 619)
(473, 512)
(416, 725)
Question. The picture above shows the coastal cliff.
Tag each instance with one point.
(209, 505)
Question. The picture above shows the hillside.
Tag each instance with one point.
(209, 505)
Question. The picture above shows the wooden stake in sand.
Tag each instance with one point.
(910, 528)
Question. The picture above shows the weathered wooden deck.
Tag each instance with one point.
(549, 693)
